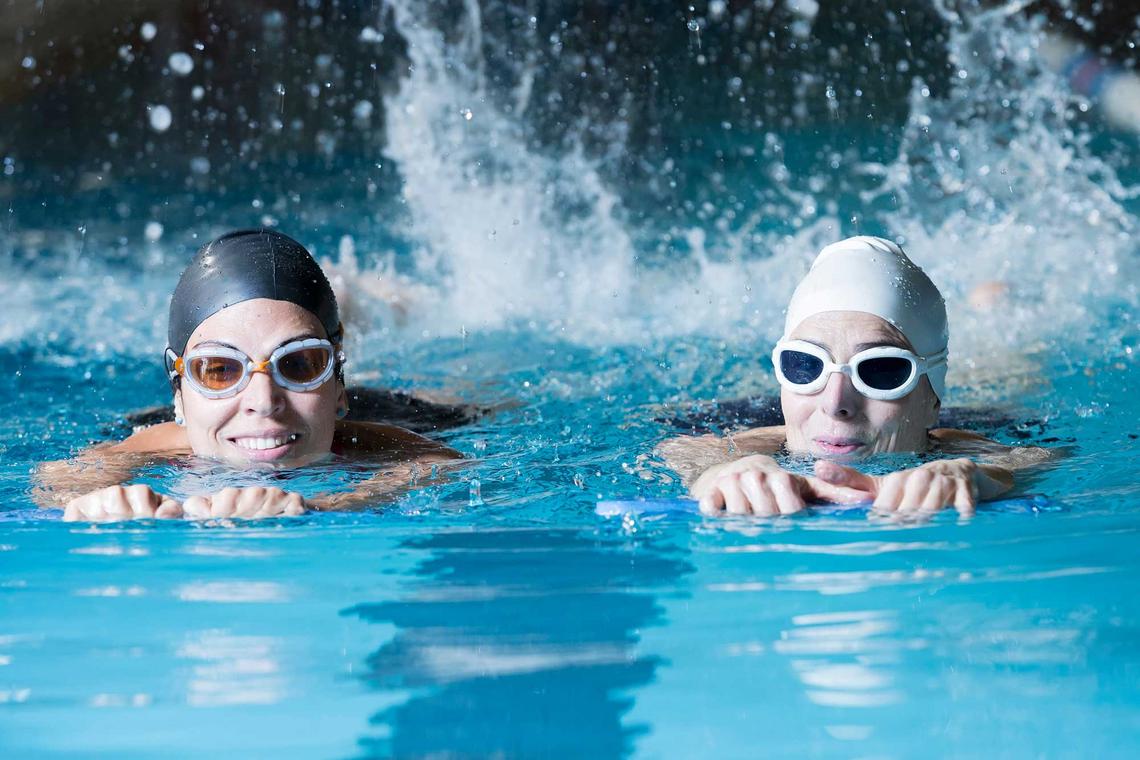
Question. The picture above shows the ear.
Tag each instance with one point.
(935, 408)
(341, 401)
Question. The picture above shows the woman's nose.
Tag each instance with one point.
(839, 398)
(262, 396)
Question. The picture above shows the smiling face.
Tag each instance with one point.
(841, 423)
(263, 423)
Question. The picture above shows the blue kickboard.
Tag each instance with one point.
(1023, 505)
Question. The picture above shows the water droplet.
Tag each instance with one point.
(181, 63)
(694, 25)
(147, 31)
(467, 114)
(362, 110)
(160, 118)
(153, 232)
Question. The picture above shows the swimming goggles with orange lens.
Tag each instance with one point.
(221, 372)
(883, 373)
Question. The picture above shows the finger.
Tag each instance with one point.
(964, 500)
(294, 505)
(712, 503)
(735, 502)
(168, 509)
(890, 494)
(839, 475)
(197, 507)
(760, 499)
(73, 511)
(819, 490)
(115, 505)
(786, 493)
(938, 496)
(223, 503)
(77, 509)
(142, 500)
(273, 503)
(915, 491)
(250, 501)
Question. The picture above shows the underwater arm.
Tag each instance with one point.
(97, 467)
(407, 460)
(390, 482)
(90, 486)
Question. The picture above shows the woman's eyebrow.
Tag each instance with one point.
(885, 341)
(287, 341)
(295, 338)
(219, 343)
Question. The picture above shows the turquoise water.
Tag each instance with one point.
(496, 614)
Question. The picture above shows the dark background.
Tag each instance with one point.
(281, 82)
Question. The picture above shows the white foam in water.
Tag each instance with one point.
(992, 182)
(1019, 198)
(488, 211)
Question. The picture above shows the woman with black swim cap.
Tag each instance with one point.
(255, 361)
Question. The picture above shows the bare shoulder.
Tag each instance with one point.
(165, 437)
(375, 439)
(966, 443)
(762, 440)
(690, 455)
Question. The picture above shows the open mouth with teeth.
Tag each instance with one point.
(265, 447)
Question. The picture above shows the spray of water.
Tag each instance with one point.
(994, 185)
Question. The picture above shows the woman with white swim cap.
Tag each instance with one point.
(862, 369)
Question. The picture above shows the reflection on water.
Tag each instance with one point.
(865, 642)
(232, 591)
(232, 670)
(518, 643)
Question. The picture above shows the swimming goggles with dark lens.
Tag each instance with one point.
(221, 372)
(883, 373)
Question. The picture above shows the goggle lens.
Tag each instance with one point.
(885, 373)
(799, 367)
(300, 366)
(304, 365)
(216, 373)
(880, 372)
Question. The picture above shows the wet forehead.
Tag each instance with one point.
(257, 326)
(844, 333)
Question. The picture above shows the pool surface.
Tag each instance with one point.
(597, 307)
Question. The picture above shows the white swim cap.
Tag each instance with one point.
(873, 275)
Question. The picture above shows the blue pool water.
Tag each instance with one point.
(496, 614)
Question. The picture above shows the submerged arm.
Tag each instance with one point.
(407, 461)
(104, 465)
(90, 485)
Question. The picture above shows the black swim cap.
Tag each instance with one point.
(243, 265)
